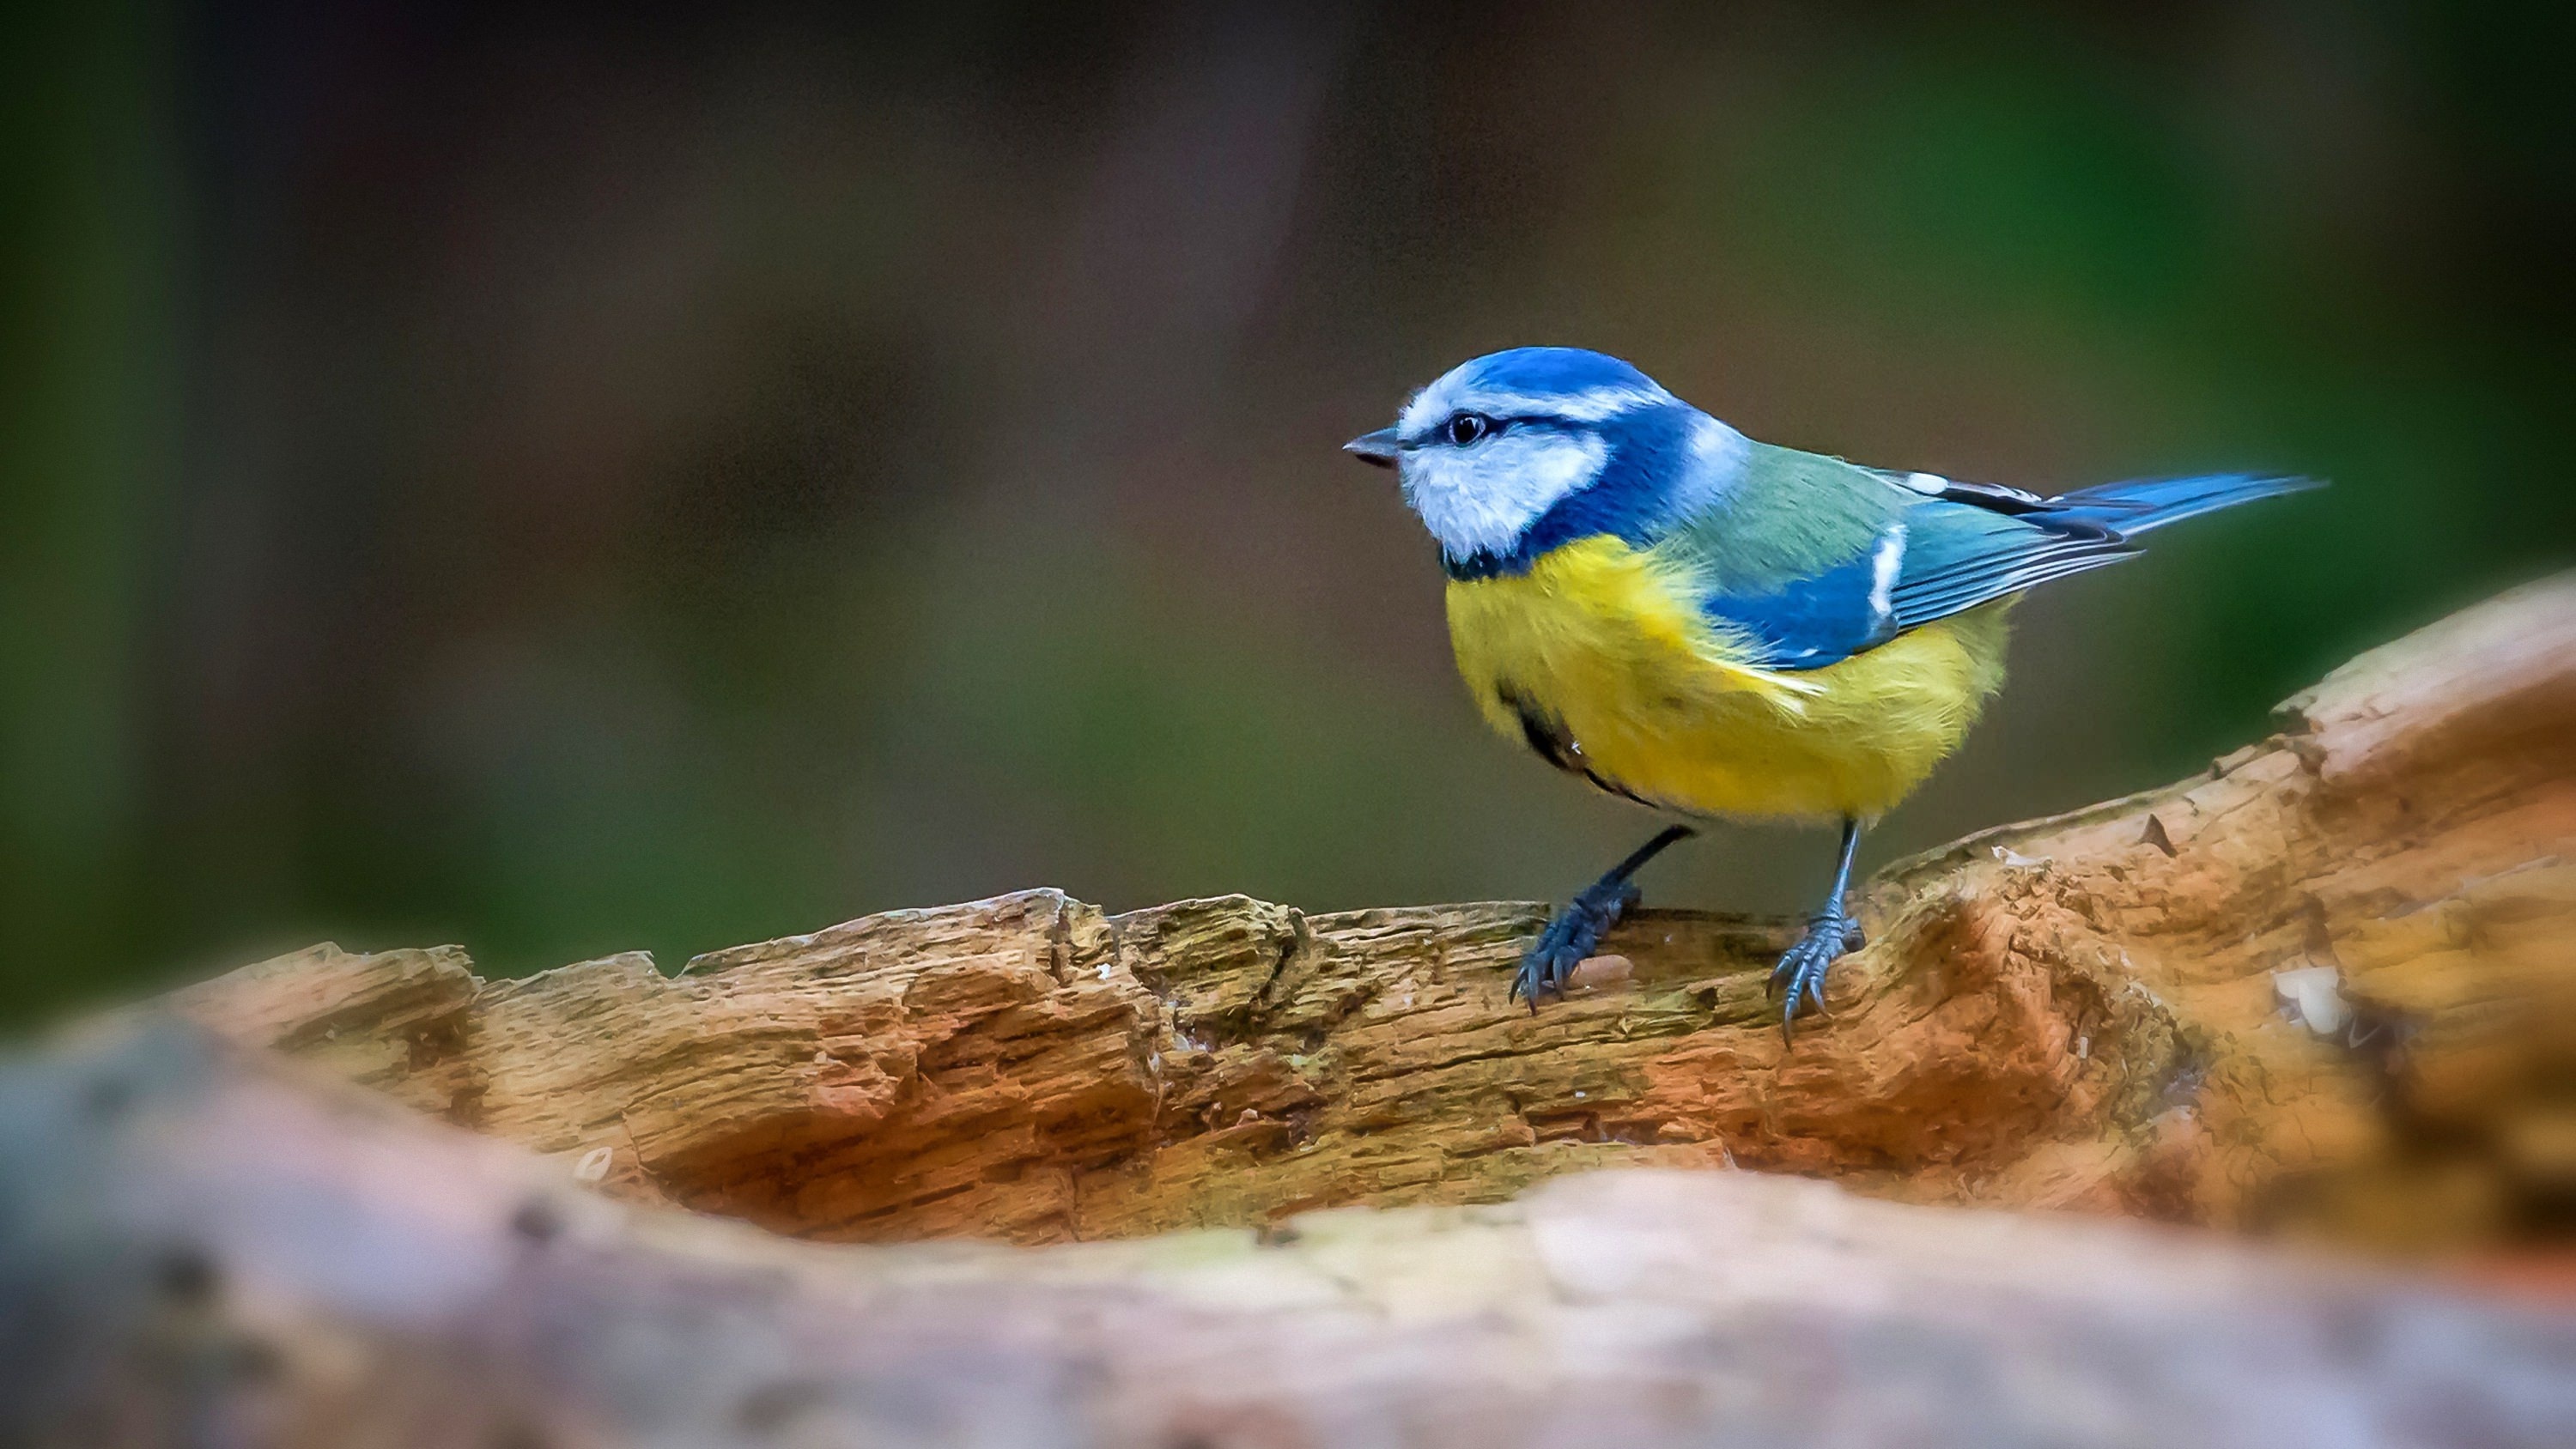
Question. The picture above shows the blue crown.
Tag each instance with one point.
(1563, 371)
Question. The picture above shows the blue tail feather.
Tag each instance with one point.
(2145, 503)
(1966, 550)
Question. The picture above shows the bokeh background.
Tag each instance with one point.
(571, 480)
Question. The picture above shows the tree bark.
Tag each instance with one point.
(2085, 1011)
(203, 1246)
(2323, 986)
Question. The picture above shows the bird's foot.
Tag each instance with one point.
(1801, 972)
(1570, 936)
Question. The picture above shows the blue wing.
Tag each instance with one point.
(1945, 547)
(1817, 619)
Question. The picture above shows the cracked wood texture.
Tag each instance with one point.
(2078, 1012)
(201, 1245)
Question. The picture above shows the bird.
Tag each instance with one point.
(1716, 627)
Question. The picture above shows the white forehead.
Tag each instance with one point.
(1462, 389)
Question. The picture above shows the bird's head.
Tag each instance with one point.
(1491, 447)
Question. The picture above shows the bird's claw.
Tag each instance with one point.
(1570, 936)
(1801, 972)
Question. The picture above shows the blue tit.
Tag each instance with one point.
(1712, 626)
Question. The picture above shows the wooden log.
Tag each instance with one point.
(201, 1245)
(2324, 984)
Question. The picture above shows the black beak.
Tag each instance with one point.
(1378, 448)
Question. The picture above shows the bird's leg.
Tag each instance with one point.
(1830, 932)
(1573, 931)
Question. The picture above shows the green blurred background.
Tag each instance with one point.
(570, 480)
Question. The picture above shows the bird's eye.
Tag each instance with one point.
(1465, 428)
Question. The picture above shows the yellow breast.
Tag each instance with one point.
(1604, 648)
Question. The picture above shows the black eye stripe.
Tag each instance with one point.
(1494, 424)
(1463, 428)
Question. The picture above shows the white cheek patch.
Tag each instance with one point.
(1481, 499)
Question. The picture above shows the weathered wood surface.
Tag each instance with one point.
(2079, 1012)
(201, 1245)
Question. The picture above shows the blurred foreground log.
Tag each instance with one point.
(2086, 1011)
(2330, 984)
(213, 1252)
